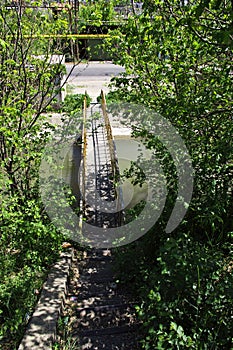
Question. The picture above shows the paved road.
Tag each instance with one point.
(91, 77)
(95, 69)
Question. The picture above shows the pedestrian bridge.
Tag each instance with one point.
(101, 200)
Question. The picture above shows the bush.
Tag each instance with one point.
(189, 297)
(29, 245)
(74, 103)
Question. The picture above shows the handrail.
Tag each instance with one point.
(119, 216)
(84, 155)
(109, 134)
(84, 138)
(113, 157)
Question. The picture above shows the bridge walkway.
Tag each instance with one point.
(102, 311)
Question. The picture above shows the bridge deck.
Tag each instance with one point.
(100, 193)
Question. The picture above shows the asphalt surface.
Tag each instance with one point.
(91, 77)
(94, 69)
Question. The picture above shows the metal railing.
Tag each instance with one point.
(110, 154)
(83, 162)
(109, 135)
(114, 161)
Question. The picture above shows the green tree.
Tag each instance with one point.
(29, 76)
(96, 13)
(29, 83)
(178, 61)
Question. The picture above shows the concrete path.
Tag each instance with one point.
(42, 328)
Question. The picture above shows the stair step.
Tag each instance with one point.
(106, 294)
(103, 315)
(116, 338)
(105, 307)
(85, 285)
(87, 294)
(96, 301)
(97, 266)
(101, 271)
(109, 331)
(97, 279)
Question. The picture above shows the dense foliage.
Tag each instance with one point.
(30, 82)
(178, 60)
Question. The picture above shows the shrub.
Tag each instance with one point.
(190, 297)
(74, 103)
(29, 245)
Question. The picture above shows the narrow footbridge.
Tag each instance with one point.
(101, 200)
(103, 312)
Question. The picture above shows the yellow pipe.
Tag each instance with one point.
(68, 36)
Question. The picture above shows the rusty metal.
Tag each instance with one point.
(84, 138)
(105, 167)
(84, 156)
(114, 160)
(109, 134)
